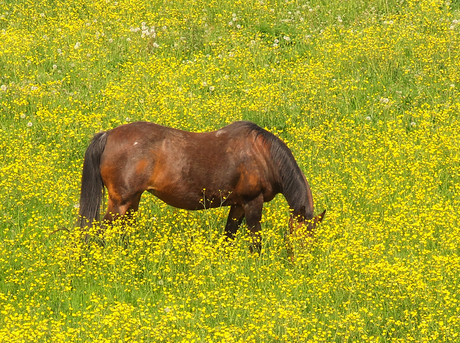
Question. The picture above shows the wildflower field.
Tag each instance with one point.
(366, 95)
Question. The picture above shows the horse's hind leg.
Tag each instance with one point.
(118, 207)
(235, 217)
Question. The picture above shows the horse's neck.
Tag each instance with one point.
(299, 197)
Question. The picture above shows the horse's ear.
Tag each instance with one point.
(320, 217)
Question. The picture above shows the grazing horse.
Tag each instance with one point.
(241, 166)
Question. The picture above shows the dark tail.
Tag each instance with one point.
(91, 181)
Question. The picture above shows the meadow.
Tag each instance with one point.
(366, 95)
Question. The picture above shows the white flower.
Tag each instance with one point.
(413, 124)
(29, 124)
(54, 66)
(155, 45)
(368, 118)
(211, 88)
(3, 88)
(77, 45)
(287, 38)
(22, 115)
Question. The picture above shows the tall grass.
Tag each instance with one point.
(365, 93)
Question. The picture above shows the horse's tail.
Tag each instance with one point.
(92, 186)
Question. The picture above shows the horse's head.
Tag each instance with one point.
(298, 222)
(301, 230)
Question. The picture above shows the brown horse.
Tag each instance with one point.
(240, 165)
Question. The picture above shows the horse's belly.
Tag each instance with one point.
(190, 201)
(186, 196)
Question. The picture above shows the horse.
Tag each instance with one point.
(240, 165)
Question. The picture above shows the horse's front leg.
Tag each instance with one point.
(253, 213)
(235, 217)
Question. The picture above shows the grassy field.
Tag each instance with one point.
(366, 95)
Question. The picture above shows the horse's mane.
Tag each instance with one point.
(293, 185)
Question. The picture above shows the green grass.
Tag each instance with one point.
(364, 93)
